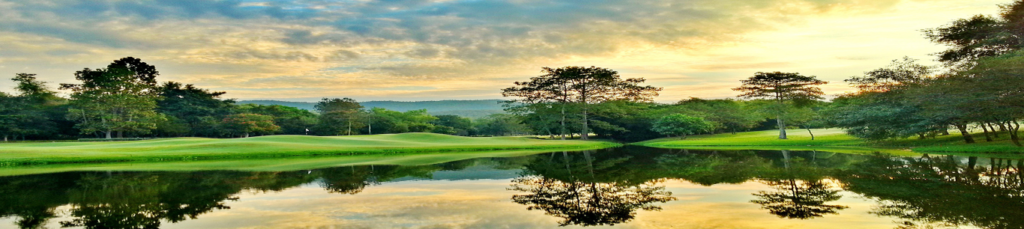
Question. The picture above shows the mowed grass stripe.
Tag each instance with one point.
(179, 149)
(838, 140)
(266, 164)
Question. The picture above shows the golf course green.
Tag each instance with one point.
(835, 140)
(191, 149)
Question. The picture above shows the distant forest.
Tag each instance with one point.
(464, 108)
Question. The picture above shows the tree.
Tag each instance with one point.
(727, 114)
(899, 75)
(981, 36)
(998, 97)
(251, 123)
(798, 200)
(782, 88)
(120, 98)
(26, 113)
(10, 115)
(541, 92)
(456, 124)
(681, 125)
(291, 120)
(192, 106)
(501, 125)
(339, 116)
(581, 86)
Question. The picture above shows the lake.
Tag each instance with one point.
(628, 187)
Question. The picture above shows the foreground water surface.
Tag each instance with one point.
(629, 187)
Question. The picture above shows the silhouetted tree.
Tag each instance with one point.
(781, 87)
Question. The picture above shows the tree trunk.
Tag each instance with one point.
(984, 130)
(1013, 127)
(108, 134)
(809, 132)
(120, 134)
(563, 120)
(782, 127)
(995, 133)
(5, 138)
(584, 134)
(246, 135)
(963, 131)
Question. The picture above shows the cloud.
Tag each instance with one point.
(395, 40)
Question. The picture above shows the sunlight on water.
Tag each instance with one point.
(620, 188)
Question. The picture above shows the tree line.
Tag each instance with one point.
(980, 86)
(124, 100)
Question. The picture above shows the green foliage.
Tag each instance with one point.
(339, 116)
(781, 86)
(726, 114)
(120, 98)
(980, 36)
(576, 85)
(291, 120)
(189, 110)
(247, 123)
(388, 121)
(501, 125)
(681, 125)
(453, 125)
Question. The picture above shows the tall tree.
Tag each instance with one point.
(781, 87)
(581, 86)
(339, 116)
(248, 123)
(26, 112)
(998, 86)
(192, 105)
(980, 36)
(291, 120)
(541, 92)
(681, 125)
(120, 98)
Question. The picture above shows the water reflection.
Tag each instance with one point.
(576, 195)
(942, 190)
(597, 188)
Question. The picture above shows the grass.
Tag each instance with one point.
(836, 140)
(192, 149)
(264, 164)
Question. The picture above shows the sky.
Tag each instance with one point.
(414, 50)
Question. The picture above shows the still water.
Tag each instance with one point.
(628, 187)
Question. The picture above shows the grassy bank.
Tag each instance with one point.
(266, 164)
(838, 141)
(192, 149)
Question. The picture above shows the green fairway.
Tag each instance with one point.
(188, 149)
(836, 140)
(265, 164)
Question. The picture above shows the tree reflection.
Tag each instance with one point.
(586, 200)
(588, 203)
(799, 200)
(942, 190)
(147, 199)
(793, 198)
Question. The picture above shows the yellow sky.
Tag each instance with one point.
(428, 50)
